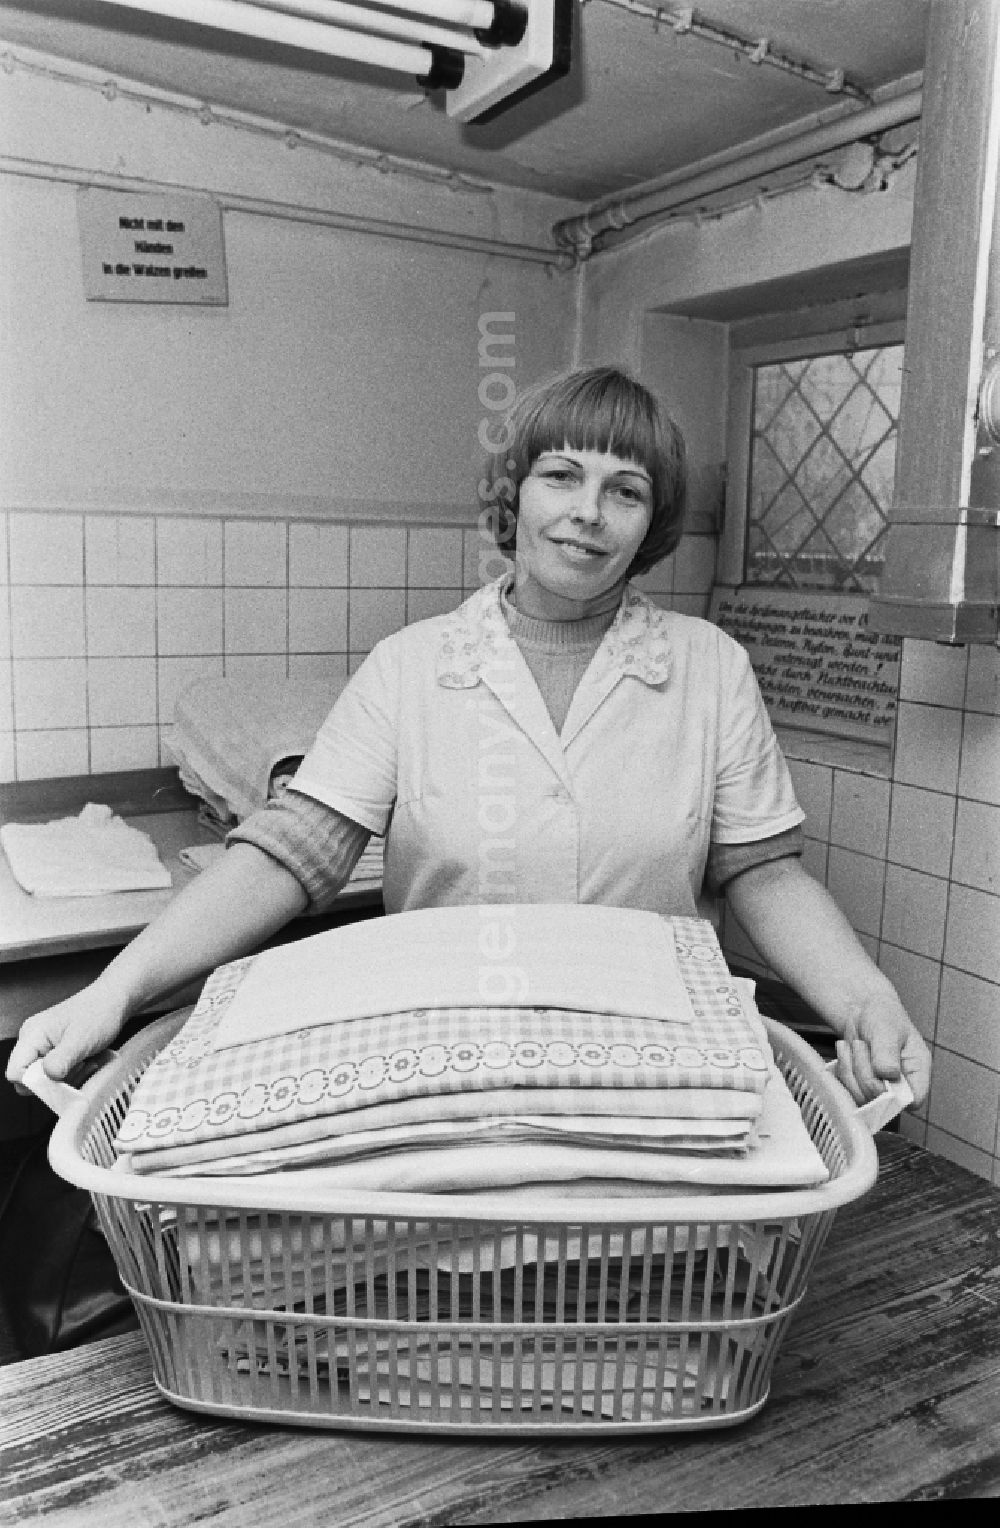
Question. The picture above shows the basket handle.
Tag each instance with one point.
(881, 1111)
(60, 1095)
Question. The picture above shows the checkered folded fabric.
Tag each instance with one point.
(192, 1094)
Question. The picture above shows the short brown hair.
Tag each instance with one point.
(600, 408)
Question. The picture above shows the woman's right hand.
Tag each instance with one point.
(68, 1033)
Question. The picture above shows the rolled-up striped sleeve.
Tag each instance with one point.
(318, 845)
(726, 861)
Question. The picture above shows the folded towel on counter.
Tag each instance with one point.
(539, 955)
(192, 1093)
(230, 735)
(85, 856)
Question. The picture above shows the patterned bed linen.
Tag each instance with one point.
(192, 1095)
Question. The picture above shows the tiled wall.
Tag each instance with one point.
(103, 618)
(912, 855)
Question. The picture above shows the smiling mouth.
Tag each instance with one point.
(579, 546)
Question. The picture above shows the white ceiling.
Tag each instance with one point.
(639, 101)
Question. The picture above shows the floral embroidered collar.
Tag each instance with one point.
(637, 642)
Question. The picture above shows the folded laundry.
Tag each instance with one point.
(446, 957)
(192, 1093)
(305, 1142)
(85, 856)
(473, 1157)
(230, 735)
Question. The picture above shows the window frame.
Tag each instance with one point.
(748, 350)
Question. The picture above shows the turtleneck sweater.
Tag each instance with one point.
(557, 653)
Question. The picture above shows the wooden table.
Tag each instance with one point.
(887, 1388)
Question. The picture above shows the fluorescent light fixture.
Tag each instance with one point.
(483, 53)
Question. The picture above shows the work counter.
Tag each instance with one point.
(887, 1388)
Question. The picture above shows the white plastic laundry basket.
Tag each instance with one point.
(262, 1299)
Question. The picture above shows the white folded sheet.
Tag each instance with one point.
(447, 957)
(85, 856)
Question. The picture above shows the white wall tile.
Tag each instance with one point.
(977, 846)
(354, 661)
(174, 674)
(982, 692)
(816, 859)
(686, 604)
(913, 916)
(860, 817)
(317, 555)
(916, 978)
(46, 621)
(256, 553)
(319, 667)
(814, 789)
(921, 829)
(972, 938)
(188, 621)
(122, 691)
(423, 603)
(856, 883)
(483, 561)
(50, 693)
(660, 578)
(694, 564)
(913, 1127)
(8, 758)
(117, 748)
(980, 772)
(434, 558)
(4, 559)
(4, 622)
(6, 696)
(45, 755)
(121, 622)
(928, 739)
(46, 548)
(932, 672)
(256, 666)
(120, 549)
(317, 620)
(188, 550)
(943, 1144)
(256, 621)
(378, 556)
(374, 614)
(969, 1017)
(964, 1099)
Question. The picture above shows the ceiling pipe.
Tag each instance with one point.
(290, 212)
(605, 226)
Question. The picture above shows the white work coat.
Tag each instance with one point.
(443, 743)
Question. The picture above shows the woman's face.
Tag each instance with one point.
(582, 517)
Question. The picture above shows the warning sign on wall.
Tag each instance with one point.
(151, 248)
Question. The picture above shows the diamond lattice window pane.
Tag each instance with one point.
(822, 468)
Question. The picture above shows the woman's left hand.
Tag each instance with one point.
(879, 1046)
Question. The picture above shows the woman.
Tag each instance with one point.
(557, 739)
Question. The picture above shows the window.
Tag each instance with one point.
(811, 447)
(811, 450)
(822, 458)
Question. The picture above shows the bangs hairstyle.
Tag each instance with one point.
(598, 409)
